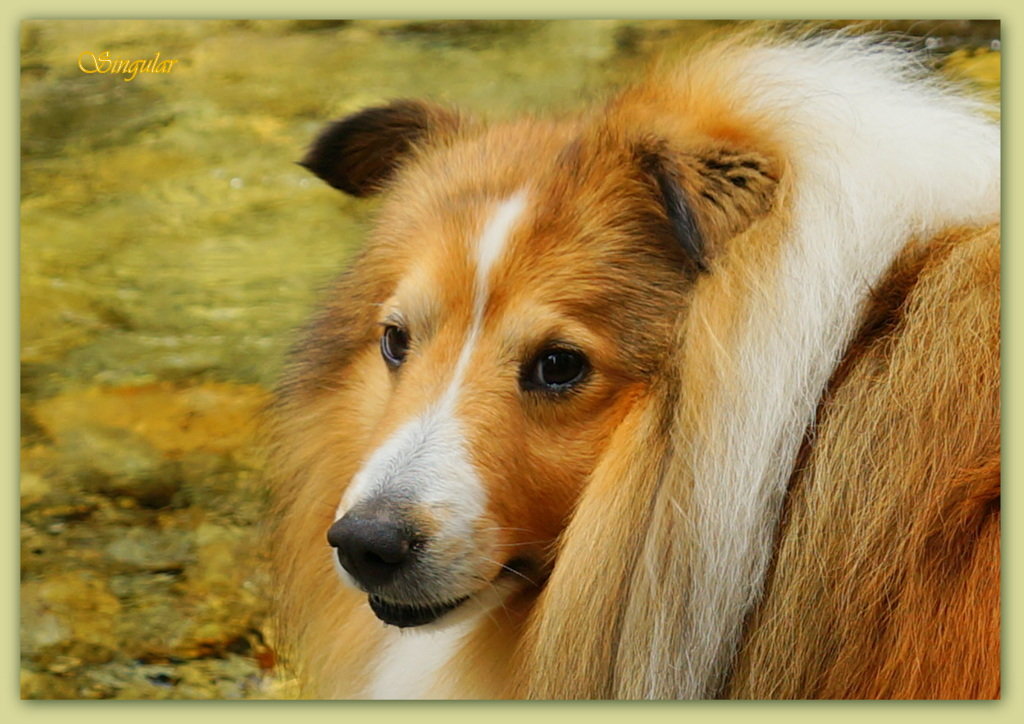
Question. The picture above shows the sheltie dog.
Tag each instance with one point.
(694, 395)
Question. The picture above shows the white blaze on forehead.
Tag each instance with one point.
(489, 249)
(427, 459)
(491, 245)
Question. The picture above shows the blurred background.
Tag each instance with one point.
(169, 248)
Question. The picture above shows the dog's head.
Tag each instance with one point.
(520, 292)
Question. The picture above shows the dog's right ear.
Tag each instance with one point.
(360, 153)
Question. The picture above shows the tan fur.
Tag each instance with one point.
(542, 476)
(885, 566)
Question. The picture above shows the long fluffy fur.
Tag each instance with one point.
(848, 332)
(876, 157)
(892, 527)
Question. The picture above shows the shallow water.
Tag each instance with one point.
(169, 246)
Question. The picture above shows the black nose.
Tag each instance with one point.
(372, 550)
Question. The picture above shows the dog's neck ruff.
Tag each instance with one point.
(877, 159)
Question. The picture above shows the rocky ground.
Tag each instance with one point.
(169, 245)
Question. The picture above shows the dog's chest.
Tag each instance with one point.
(418, 664)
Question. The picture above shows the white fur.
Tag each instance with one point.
(429, 459)
(414, 662)
(878, 156)
(429, 452)
(491, 246)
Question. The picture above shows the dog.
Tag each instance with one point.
(694, 395)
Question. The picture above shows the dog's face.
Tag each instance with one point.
(519, 294)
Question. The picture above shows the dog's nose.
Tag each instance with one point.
(372, 550)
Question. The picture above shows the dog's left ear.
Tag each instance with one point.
(709, 195)
(360, 153)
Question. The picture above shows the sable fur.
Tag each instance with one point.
(901, 558)
(782, 480)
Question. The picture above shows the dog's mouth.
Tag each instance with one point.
(407, 616)
(403, 616)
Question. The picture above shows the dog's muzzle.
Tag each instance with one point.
(384, 556)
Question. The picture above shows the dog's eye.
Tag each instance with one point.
(556, 369)
(394, 345)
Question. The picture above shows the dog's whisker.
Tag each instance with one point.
(512, 570)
